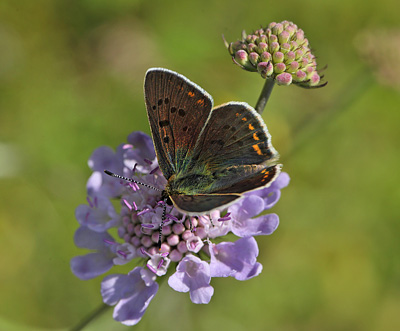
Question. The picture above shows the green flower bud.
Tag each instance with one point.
(299, 54)
(262, 47)
(285, 47)
(280, 52)
(290, 56)
(291, 30)
(279, 68)
(293, 66)
(315, 79)
(254, 57)
(277, 29)
(299, 76)
(241, 57)
(273, 39)
(263, 38)
(265, 69)
(265, 56)
(278, 57)
(274, 47)
(284, 79)
(283, 37)
(251, 47)
(294, 45)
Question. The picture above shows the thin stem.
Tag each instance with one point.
(89, 318)
(264, 96)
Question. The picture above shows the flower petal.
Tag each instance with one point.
(202, 295)
(133, 293)
(143, 144)
(116, 287)
(249, 206)
(86, 238)
(91, 265)
(105, 158)
(237, 259)
(263, 225)
(193, 275)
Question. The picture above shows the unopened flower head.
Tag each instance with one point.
(192, 245)
(280, 52)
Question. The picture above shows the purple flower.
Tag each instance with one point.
(131, 293)
(93, 264)
(193, 275)
(186, 241)
(235, 259)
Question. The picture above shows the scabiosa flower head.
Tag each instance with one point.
(280, 52)
(192, 245)
(380, 49)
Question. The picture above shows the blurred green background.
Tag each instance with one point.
(71, 77)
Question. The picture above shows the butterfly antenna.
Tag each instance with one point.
(162, 224)
(130, 180)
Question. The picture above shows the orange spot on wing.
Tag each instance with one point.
(257, 149)
(251, 127)
(255, 136)
(244, 119)
(200, 102)
(237, 114)
(191, 94)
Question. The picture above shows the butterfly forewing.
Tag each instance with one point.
(177, 110)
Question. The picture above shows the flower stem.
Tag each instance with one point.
(89, 318)
(264, 96)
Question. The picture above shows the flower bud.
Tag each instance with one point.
(253, 57)
(279, 50)
(284, 79)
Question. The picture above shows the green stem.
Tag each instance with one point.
(264, 96)
(89, 318)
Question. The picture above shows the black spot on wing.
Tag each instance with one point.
(164, 123)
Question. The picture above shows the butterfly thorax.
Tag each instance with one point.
(188, 184)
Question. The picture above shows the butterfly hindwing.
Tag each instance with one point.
(236, 151)
(202, 202)
(248, 181)
(177, 110)
(235, 135)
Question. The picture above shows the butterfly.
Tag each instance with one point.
(209, 156)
